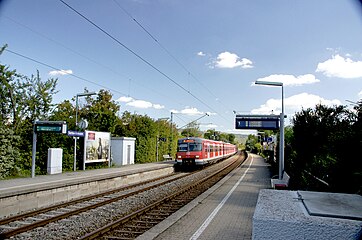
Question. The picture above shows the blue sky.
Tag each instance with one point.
(192, 57)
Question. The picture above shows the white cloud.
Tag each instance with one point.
(125, 99)
(340, 67)
(188, 111)
(60, 72)
(191, 111)
(290, 80)
(139, 103)
(231, 60)
(294, 104)
(158, 106)
(201, 54)
(360, 94)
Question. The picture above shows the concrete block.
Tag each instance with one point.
(282, 215)
(28, 201)
(45, 198)
(9, 206)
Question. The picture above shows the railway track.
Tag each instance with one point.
(138, 222)
(24, 222)
(118, 205)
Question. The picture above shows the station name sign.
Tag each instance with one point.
(267, 122)
(51, 127)
(72, 133)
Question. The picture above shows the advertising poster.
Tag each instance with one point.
(97, 146)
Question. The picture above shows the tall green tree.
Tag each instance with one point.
(24, 99)
(326, 146)
(101, 112)
(144, 129)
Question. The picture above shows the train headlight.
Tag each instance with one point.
(197, 156)
(179, 156)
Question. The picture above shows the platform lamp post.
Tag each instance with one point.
(76, 124)
(281, 151)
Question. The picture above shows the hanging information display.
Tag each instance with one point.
(51, 127)
(267, 122)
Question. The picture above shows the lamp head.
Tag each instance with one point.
(279, 84)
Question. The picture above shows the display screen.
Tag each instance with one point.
(255, 123)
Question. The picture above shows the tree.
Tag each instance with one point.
(9, 152)
(251, 144)
(22, 100)
(101, 112)
(192, 130)
(212, 134)
(326, 146)
(144, 129)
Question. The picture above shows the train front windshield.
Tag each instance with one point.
(189, 147)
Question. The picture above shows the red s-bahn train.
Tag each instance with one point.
(194, 151)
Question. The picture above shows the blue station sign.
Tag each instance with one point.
(72, 133)
(267, 122)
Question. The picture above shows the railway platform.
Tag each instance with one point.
(23, 194)
(225, 211)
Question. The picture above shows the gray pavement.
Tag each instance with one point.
(225, 211)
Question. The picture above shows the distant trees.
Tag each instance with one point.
(253, 144)
(219, 136)
(192, 130)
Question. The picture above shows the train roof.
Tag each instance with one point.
(199, 140)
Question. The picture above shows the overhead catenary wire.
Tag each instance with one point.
(90, 59)
(168, 52)
(70, 74)
(138, 55)
(58, 69)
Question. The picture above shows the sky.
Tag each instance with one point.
(196, 59)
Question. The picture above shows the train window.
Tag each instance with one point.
(182, 147)
(195, 147)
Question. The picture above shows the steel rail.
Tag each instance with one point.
(79, 200)
(113, 225)
(44, 222)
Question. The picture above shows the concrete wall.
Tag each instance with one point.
(21, 202)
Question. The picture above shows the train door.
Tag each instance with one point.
(208, 150)
(212, 150)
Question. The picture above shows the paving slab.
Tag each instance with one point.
(336, 205)
(225, 211)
